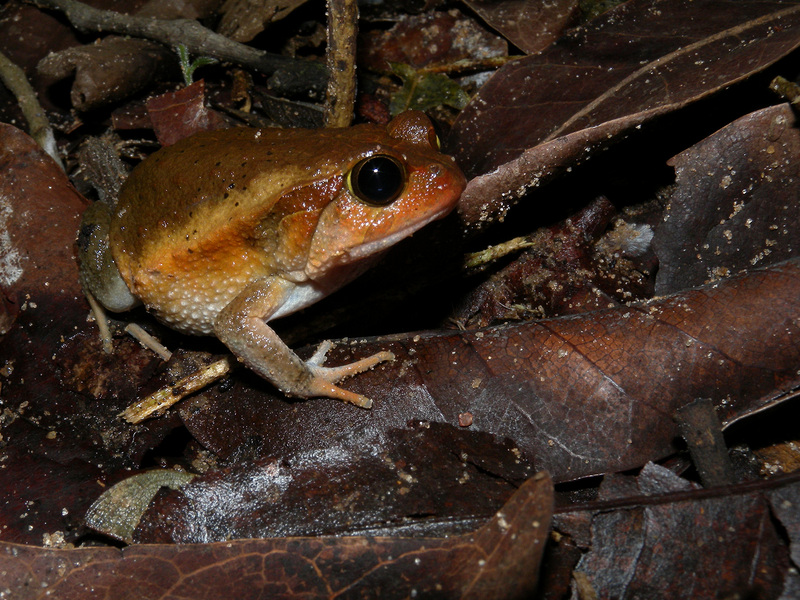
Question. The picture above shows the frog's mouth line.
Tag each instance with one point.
(377, 246)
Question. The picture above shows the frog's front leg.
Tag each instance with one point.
(242, 327)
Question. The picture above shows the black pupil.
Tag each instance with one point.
(379, 180)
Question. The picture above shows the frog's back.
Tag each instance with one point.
(203, 182)
(192, 225)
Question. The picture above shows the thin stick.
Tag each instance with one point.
(198, 39)
(148, 341)
(341, 58)
(158, 402)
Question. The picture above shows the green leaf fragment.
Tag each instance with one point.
(188, 68)
(422, 90)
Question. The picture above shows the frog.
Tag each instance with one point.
(227, 230)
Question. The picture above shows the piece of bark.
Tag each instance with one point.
(109, 70)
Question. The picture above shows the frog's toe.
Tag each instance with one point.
(334, 374)
(324, 378)
(322, 388)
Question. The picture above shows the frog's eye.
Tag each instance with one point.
(378, 179)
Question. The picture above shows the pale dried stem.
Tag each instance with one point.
(38, 126)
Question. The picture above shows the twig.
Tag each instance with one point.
(640, 501)
(341, 58)
(468, 65)
(788, 90)
(148, 341)
(38, 126)
(493, 253)
(157, 403)
(199, 40)
(700, 427)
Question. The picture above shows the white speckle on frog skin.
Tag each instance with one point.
(10, 260)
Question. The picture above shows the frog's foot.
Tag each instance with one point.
(324, 378)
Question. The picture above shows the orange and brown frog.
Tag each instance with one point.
(226, 230)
